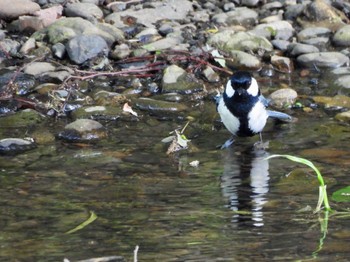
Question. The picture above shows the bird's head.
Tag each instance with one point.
(242, 84)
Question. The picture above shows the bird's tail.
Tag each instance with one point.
(280, 116)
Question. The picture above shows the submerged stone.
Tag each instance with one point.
(153, 105)
(24, 118)
(83, 130)
(16, 145)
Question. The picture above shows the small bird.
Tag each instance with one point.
(242, 108)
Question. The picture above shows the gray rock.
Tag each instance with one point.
(293, 11)
(250, 2)
(68, 27)
(56, 76)
(10, 46)
(82, 48)
(172, 74)
(243, 60)
(59, 50)
(169, 42)
(228, 40)
(282, 30)
(37, 68)
(241, 16)
(157, 106)
(10, 9)
(21, 119)
(342, 36)
(299, 49)
(211, 75)
(166, 10)
(280, 44)
(176, 80)
(323, 59)
(27, 46)
(83, 130)
(282, 64)
(87, 11)
(23, 83)
(317, 41)
(283, 98)
(16, 145)
(109, 113)
(313, 32)
(343, 81)
(120, 52)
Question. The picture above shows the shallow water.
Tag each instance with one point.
(235, 206)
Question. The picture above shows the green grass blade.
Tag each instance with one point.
(91, 219)
(323, 192)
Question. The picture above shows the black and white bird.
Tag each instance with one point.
(242, 108)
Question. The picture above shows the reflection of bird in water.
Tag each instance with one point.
(245, 184)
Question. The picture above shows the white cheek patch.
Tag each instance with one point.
(229, 90)
(254, 88)
(228, 119)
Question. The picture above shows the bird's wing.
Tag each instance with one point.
(279, 115)
(264, 100)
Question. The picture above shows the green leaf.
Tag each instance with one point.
(342, 195)
(91, 219)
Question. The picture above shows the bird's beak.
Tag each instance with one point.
(240, 90)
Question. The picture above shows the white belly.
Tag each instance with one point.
(257, 117)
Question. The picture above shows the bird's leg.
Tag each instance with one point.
(260, 144)
(228, 143)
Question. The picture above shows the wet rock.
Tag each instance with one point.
(59, 50)
(10, 46)
(87, 11)
(282, 30)
(293, 11)
(243, 60)
(23, 83)
(282, 64)
(300, 49)
(55, 76)
(228, 40)
(313, 32)
(171, 97)
(250, 2)
(323, 59)
(338, 101)
(37, 68)
(83, 130)
(68, 27)
(241, 16)
(342, 36)
(16, 145)
(27, 46)
(172, 41)
(105, 98)
(13, 9)
(21, 119)
(283, 98)
(211, 75)
(343, 81)
(176, 80)
(280, 44)
(120, 52)
(157, 106)
(82, 48)
(109, 113)
(320, 10)
(343, 116)
(165, 10)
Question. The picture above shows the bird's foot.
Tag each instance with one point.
(228, 143)
(261, 145)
